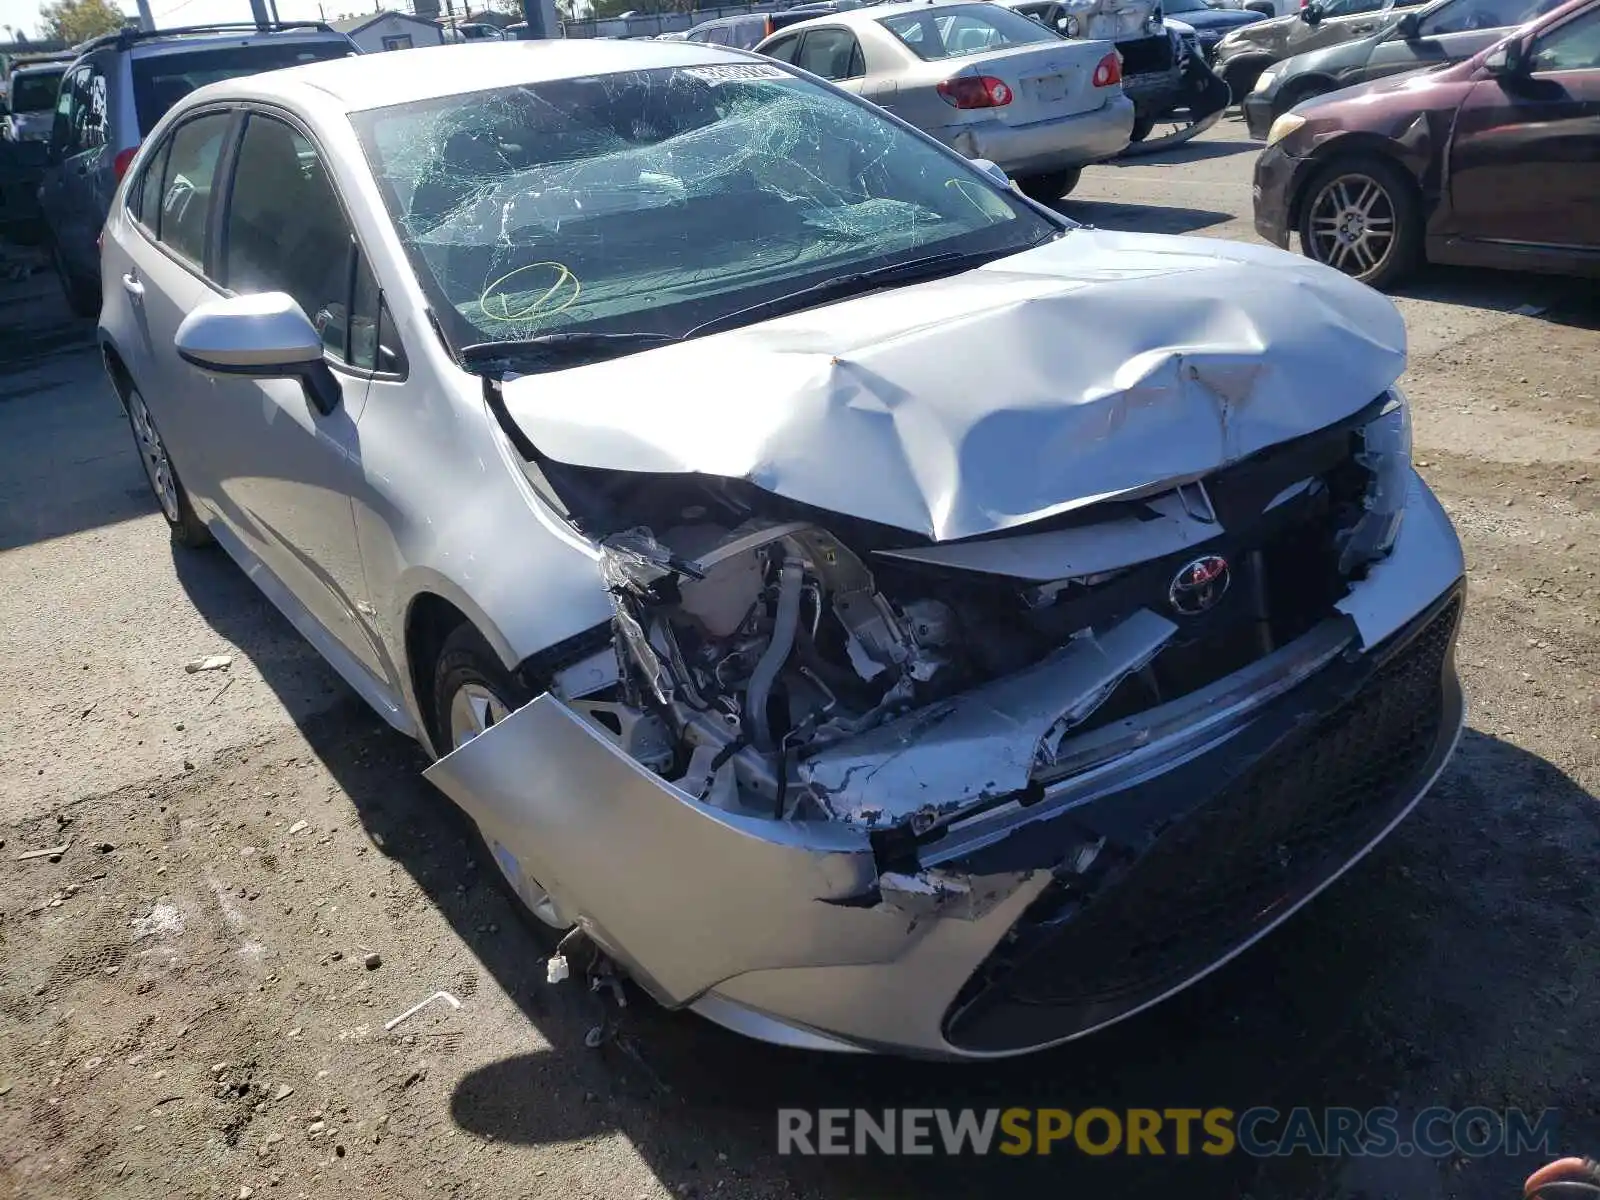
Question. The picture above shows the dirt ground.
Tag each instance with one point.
(195, 995)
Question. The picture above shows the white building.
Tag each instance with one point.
(390, 31)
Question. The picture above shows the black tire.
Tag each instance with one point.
(1050, 186)
(466, 660)
(185, 526)
(82, 295)
(1397, 197)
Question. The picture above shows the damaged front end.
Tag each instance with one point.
(833, 783)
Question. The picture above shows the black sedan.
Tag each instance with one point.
(1209, 22)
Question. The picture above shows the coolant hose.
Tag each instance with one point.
(776, 654)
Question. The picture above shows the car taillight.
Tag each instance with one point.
(119, 164)
(770, 29)
(975, 91)
(1109, 70)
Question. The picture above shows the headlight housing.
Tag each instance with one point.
(1264, 80)
(1283, 127)
(1386, 453)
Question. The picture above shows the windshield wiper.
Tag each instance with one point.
(856, 282)
(560, 349)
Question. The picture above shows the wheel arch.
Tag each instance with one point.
(1304, 87)
(1353, 146)
(117, 371)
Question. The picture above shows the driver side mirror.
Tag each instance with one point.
(1508, 62)
(1311, 15)
(1409, 27)
(263, 337)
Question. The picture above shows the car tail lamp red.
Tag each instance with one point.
(1108, 70)
(975, 91)
(771, 28)
(119, 164)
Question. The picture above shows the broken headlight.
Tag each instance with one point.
(1386, 454)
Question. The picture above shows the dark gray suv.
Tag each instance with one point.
(116, 90)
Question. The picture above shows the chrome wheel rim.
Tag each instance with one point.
(474, 710)
(153, 454)
(1352, 227)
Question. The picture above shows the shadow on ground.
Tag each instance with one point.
(1140, 218)
(1435, 973)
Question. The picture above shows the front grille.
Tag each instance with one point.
(1146, 56)
(1222, 871)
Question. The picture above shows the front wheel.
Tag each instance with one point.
(1361, 217)
(1051, 186)
(472, 693)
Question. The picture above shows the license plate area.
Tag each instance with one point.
(1046, 89)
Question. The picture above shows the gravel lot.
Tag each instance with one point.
(186, 1005)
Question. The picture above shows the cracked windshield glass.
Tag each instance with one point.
(653, 201)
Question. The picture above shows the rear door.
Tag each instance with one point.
(67, 194)
(287, 471)
(166, 279)
(1525, 159)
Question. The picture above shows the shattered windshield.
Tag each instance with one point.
(653, 201)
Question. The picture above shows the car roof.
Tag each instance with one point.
(370, 81)
(876, 12)
(55, 68)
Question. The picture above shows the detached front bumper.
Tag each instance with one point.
(1048, 145)
(1033, 923)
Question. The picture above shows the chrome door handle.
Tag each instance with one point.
(132, 286)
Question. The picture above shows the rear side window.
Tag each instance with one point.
(161, 80)
(832, 54)
(944, 32)
(783, 49)
(186, 185)
(1573, 47)
(145, 202)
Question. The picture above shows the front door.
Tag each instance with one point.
(1525, 160)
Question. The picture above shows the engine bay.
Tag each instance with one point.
(770, 665)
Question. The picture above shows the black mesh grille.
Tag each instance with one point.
(1222, 871)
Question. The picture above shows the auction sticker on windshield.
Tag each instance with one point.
(735, 72)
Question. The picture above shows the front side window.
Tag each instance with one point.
(1573, 47)
(285, 231)
(832, 54)
(956, 32)
(652, 201)
(161, 80)
(398, 41)
(187, 183)
(1463, 16)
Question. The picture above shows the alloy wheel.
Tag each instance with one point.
(1352, 225)
(153, 454)
(474, 710)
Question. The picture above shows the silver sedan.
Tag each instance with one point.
(854, 603)
(980, 78)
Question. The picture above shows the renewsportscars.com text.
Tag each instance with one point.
(1259, 1132)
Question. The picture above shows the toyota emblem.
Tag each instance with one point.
(1198, 585)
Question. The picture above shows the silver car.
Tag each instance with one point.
(859, 605)
(981, 78)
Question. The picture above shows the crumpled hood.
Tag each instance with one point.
(1097, 364)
